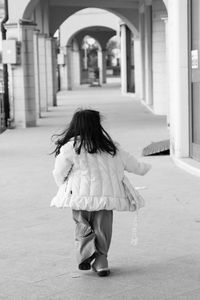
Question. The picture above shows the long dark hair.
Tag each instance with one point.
(87, 133)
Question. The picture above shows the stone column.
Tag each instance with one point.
(22, 75)
(69, 68)
(73, 65)
(165, 20)
(160, 90)
(37, 75)
(104, 53)
(43, 72)
(137, 62)
(142, 52)
(62, 65)
(123, 59)
(148, 55)
(100, 66)
(54, 63)
(76, 70)
(63, 76)
(49, 71)
(178, 77)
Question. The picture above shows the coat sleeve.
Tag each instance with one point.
(63, 164)
(132, 165)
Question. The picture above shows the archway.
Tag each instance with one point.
(60, 10)
(129, 32)
(39, 49)
(166, 4)
(101, 35)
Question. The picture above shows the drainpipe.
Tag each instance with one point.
(5, 68)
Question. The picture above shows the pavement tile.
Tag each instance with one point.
(19, 290)
(31, 269)
(71, 296)
(85, 283)
(191, 295)
(37, 257)
(158, 292)
(6, 297)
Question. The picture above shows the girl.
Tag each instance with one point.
(89, 169)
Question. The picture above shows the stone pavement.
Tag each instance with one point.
(37, 258)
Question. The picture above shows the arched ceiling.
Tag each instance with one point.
(83, 19)
(60, 10)
(59, 14)
(100, 33)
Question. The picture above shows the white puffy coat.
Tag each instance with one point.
(95, 180)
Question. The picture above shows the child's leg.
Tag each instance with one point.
(84, 236)
(102, 226)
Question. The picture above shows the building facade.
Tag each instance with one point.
(159, 38)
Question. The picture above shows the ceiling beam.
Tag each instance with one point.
(132, 4)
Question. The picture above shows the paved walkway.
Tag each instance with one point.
(37, 258)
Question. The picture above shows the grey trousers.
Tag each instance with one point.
(93, 233)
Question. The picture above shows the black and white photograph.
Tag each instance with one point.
(100, 150)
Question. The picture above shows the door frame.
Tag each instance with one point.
(192, 146)
(190, 74)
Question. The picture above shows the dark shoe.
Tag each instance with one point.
(84, 266)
